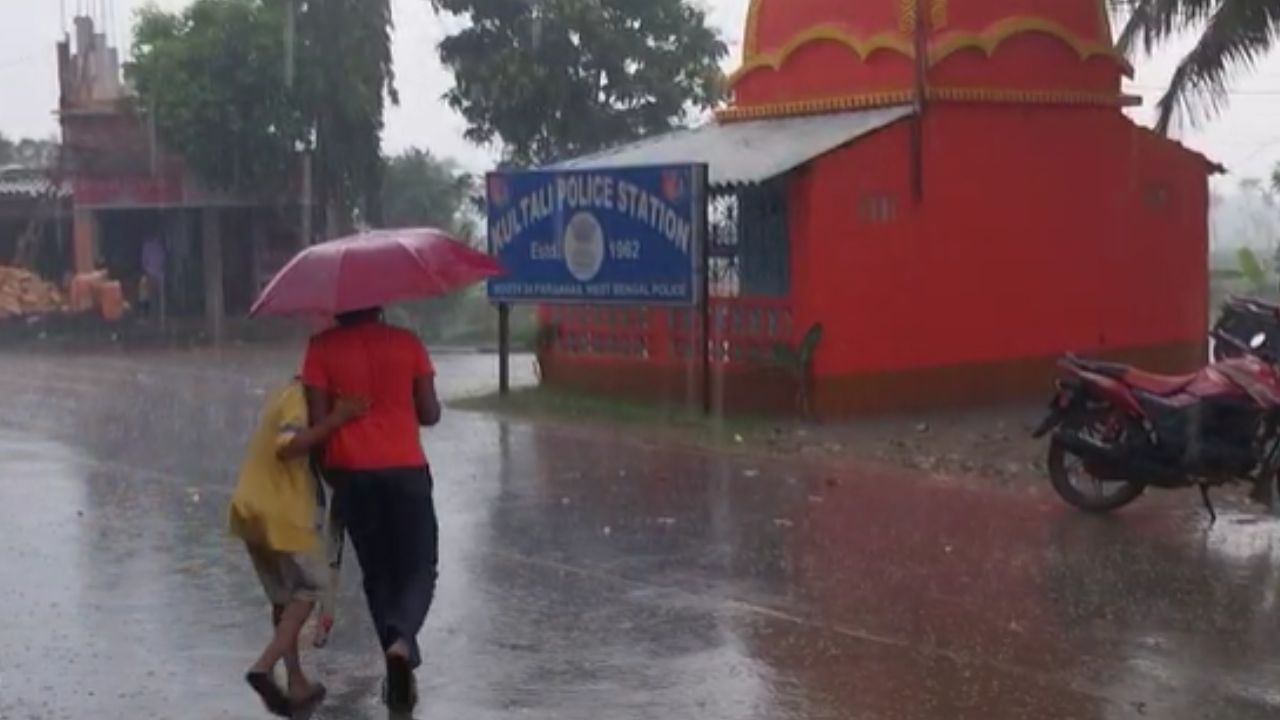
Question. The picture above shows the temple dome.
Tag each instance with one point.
(815, 55)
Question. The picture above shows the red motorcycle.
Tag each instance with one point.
(1118, 430)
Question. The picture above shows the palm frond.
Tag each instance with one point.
(1151, 22)
(1238, 33)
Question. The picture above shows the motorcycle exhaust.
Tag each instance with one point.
(1121, 464)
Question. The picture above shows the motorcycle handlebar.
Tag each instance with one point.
(1262, 352)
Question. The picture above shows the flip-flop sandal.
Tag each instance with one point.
(276, 702)
(310, 702)
(401, 695)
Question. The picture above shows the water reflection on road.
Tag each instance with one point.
(587, 575)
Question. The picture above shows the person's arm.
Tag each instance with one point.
(302, 440)
(425, 401)
(319, 403)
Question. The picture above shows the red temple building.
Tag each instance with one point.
(952, 189)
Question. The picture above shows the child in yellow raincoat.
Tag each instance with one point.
(274, 511)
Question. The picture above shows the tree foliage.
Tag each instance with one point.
(1252, 270)
(344, 63)
(419, 190)
(239, 87)
(29, 153)
(557, 78)
(1233, 36)
(212, 78)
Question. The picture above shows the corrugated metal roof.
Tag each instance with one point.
(21, 182)
(746, 152)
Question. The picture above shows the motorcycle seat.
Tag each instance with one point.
(1153, 383)
(1158, 384)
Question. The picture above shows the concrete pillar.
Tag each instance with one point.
(211, 255)
(179, 258)
(257, 251)
(84, 239)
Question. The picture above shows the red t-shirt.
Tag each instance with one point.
(378, 362)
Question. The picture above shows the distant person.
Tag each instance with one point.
(153, 261)
(382, 484)
(274, 511)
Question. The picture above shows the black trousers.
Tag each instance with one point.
(391, 519)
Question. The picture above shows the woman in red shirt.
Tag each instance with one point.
(382, 483)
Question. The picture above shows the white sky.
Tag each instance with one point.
(1246, 138)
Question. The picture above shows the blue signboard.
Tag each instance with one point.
(617, 235)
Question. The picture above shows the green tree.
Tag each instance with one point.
(1233, 35)
(212, 78)
(344, 66)
(32, 153)
(240, 87)
(419, 189)
(556, 78)
(1252, 270)
(28, 152)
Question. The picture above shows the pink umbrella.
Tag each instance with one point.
(372, 269)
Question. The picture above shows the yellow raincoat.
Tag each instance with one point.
(274, 504)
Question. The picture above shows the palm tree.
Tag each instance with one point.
(1234, 34)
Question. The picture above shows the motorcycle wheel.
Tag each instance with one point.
(1102, 496)
(1223, 351)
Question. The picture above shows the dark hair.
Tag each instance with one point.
(355, 317)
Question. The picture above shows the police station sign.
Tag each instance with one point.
(629, 235)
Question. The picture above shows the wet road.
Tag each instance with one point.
(586, 575)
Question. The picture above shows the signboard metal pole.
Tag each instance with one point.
(704, 243)
(504, 349)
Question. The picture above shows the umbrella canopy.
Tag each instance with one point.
(372, 269)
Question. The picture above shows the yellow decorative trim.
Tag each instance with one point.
(907, 17)
(817, 106)
(1030, 97)
(863, 48)
(909, 14)
(939, 14)
(991, 38)
(885, 98)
